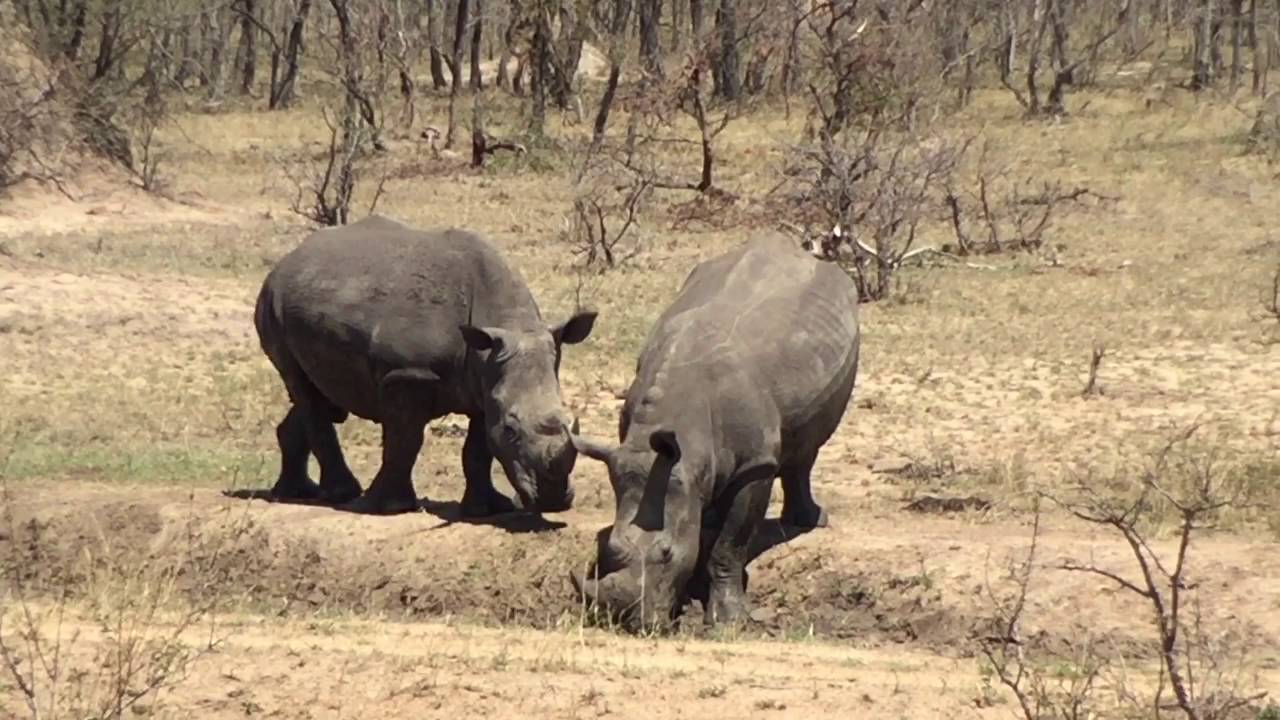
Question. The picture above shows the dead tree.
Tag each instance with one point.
(221, 23)
(1050, 20)
(1197, 490)
(617, 28)
(435, 41)
(477, 36)
(247, 51)
(540, 65)
(459, 38)
(353, 80)
(650, 12)
(284, 55)
(875, 193)
(1207, 52)
(728, 84)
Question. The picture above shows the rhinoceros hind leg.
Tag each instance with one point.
(293, 482)
(337, 482)
(480, 499)
(798, 507)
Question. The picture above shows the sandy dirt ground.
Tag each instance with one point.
(138, 415)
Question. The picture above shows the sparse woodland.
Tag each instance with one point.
(873, 82)
(1011, 183)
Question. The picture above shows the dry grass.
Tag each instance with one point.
(127, 335)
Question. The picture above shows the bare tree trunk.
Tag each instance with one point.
(408, 32)
(222, 24)
(246, 61)
(617, 51)
(697, 18)
(1203, 75)
(678, 10)
(540, 63)
(477, 35)
(727, 84)
(1261, 54)
(108, 41)
(1237, 38)
(1039, 23)
(353, 79)
(283, 91)
(459, 38)
(435, 39)
(1062, 68)
(79, 19)
(515, 16)
(650, 38)
(566, 55)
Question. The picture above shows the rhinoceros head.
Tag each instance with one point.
(526, 423)
(651, 552)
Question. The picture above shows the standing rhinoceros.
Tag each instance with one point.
(402, 326)
(741, 380)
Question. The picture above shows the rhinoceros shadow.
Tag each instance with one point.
(449, 512)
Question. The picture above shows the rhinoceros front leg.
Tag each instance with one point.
(727, 561)
(405, 400)
(481, 498)
(392, 491)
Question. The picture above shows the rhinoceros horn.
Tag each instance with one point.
(612, 591)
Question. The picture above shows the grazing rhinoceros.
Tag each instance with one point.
(402, 326)
(742, 379)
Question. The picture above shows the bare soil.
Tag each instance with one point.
(136, 418)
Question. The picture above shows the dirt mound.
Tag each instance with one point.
(860, 583)
(296, 559)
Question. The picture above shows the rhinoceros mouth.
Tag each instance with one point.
(624, 600)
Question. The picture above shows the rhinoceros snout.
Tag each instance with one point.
(558, 502)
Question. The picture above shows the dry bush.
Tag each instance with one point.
(1039, 691)
(39, 132)
(325, 189)
(608, 199)
(33, 124)
(112, 647)
(867, 62)
(1203, 669)
(876, 190)
(1003, 211)
(1057, 39)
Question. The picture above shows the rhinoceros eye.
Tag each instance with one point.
(509, 433)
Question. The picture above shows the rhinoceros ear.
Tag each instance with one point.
(665, 444)
(483, 338)
(588, 447)
(575, 329)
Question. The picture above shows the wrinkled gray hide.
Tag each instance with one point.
(402, 326)
(741, 380)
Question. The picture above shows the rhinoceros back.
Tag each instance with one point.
(350, 303)
(765, 319)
